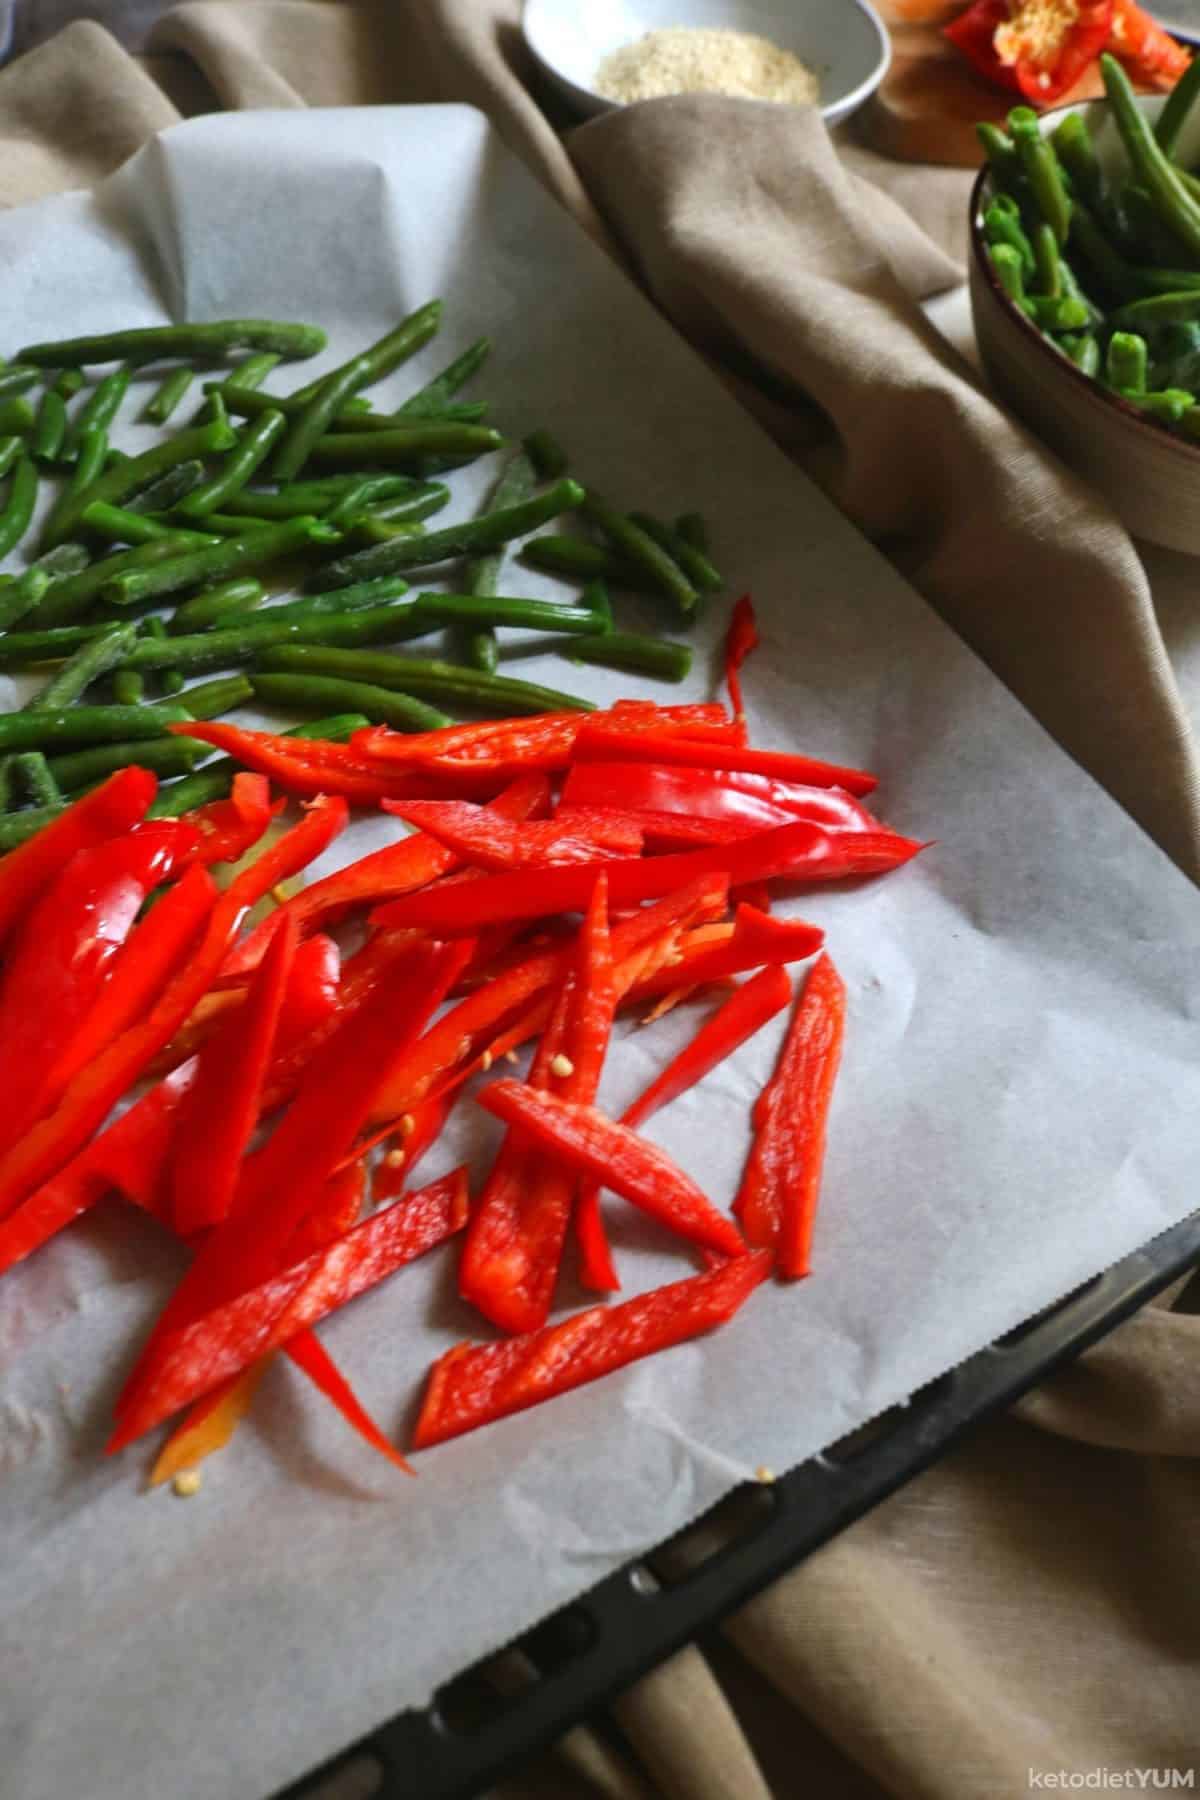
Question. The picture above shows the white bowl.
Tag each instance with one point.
(1150, 477)
(843, 42)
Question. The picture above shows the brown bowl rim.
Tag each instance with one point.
(1100, 396)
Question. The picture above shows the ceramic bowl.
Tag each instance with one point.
(1150, 477)
(844, 42)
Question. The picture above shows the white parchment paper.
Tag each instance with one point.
(1017, 1109)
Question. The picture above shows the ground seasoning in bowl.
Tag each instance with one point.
(687, 60)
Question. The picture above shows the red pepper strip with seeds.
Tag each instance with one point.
(777, 1201)
(112, 808)
(544, 741)
(589, 1141)
(385, 874)
(795, 852)
(277, 758)
(598, 743)
(195, 1356)
(476, 1384)
(491, 842)
(56, 1138)
(726, 796)
(755, 940)
(741, 639)
(746, 1011)
(220, 1112)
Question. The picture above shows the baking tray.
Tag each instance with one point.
(488, 1720)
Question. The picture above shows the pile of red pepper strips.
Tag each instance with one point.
(666, 823)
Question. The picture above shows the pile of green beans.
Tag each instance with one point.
(1105, 264)
(152, 566)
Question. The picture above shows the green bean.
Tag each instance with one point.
(636, 547)
(1084, 352)
(97, 657)
(496, 609)
(10, 449)
(487, 532)
(213, 563)
(253, 371)
(64, 559)
(1041, 170)
(19, 594)
(346, 510)
(1007, 264)
(209, 699)
(33, 773)
(1047, 266)
(100, 409)
(1178, 105)
(408, 509)
(1002, 225)
(371, 528)
(312, 423)
(167, 395)
(1072, 290)
(381, 706)
(339, 600)
(169, 489)
(218, 524)
(84, 725)
(154, 631)
(212, 408)
(29, 649)
(578, 559)
(695, 564)
(436, 395)
(318, 496)
(18, 507)
(1076, 152)
(546, 454)
(251, 449)
(18, 828)
(152, 342)
(389, 351)
(244, 643)
(240, 594)
(427, 680)
(16, 417)
(68, 382)
(1169, 406)
(120, 526)
(1175, 206)
(89, 463)
(635, 653)
(1058, 313)
(1126, 361)
(351, 419)
(73, 595)
(478, 644)
(116, 484)
(129, 687)
(1158, 309)
(1107, 262)
(50, 427)
(214, 781)
(404, 444)
(1151, 241)
(17, 380)
(163, 756)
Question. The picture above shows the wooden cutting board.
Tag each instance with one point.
(930, 100)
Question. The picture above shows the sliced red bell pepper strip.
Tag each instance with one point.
(295, 772)
(385, 874)
(112, 808)
(594, 1144)
(146, 963)
(312, 991)
(742, 638)
(1151, 54)
(308, 1353)
(599, 743)
(489, 841)
(725, 795)
(55, 1138)
(795, 852)
(198, 1355)
(421, 1129)
(476, 1384)
(218, 1117)
(777, 1201)
(756, 940)
(541, 742)
(66, 949)
(228, 828)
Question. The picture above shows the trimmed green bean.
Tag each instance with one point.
(1047, 276)
(16, 417)
(18, 507)
(595, 597)
(17, 828)
(695, 563)
(73, 595)
(1041, 170)
(497, 609)
(228, 599)
(213, 563)
(1007, 264)
(427, 680)
(29, 649)
(10, 449)
(214, 781)
(90, 460)
(1170, 406)
(68, 382)
(99, 410)
(339, 600)
(437, 394)
(120, 526)
(1126, 361)
(546, 454)
(351, 419)
(404, 443)
(18, 379)
(1176, 107)
(635, 653)
(1177, 209)
(389, 351)
(167, 395)
(129, 687)
(1076, 152)
(316, 693)
(165, 756)
(152, 342)
(1059, 313)
(33, 774)
(154, 631)
(253, 446)
(99, 656)
(253, 371)
(19, 594)
(318, 496)
(50, 427)
(169, 489)
(312, 423)
(578, 559)
(487, 532)
(117, 483)
(1002, 225)
(209, 699)
(353, 502)
(478, 645)
(219, 649)
(1158, 309)
(1084, 352)
(64, 559)
(637, 547)
(84, 725)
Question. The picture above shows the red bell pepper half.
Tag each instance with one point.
(777, 1201)
(589, 1141)
(112, 808)
(742, 638)
(194, 1357)
(476, 1384)
(598, 742)
(1038, 47)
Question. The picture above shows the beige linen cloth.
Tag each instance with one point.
(1032, 1604)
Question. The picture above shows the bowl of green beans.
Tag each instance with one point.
(1085, 292)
